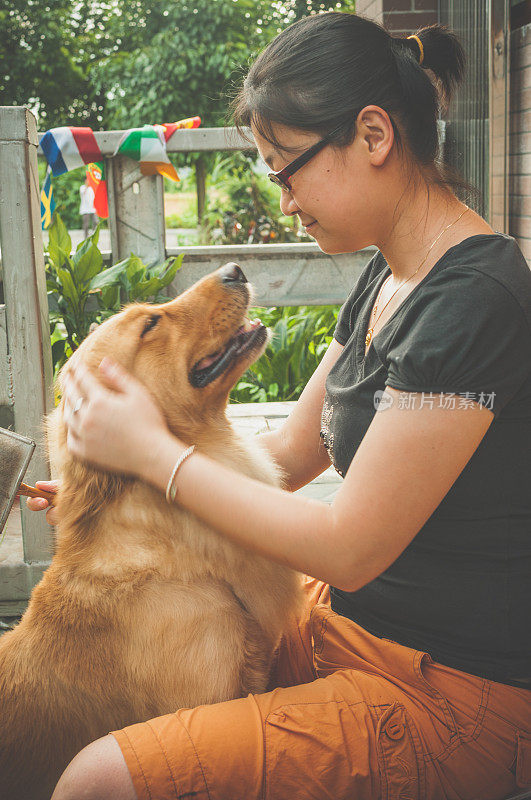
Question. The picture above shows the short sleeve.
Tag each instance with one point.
(343, 329)
(463, 333)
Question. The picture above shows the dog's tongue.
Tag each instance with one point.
(247, 327)
(206, 362)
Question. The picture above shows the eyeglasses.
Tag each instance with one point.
(281, 178)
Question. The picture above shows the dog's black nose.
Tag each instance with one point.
(231, 273)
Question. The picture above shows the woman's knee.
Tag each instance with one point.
(98, 772)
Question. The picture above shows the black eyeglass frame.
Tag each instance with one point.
(281, 178)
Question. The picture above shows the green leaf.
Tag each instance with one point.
(145, 289)
(109, 276)
(170, 270)
(53, 302)
(68, 286)
(87, 262)
(59, 243)
(58, 350)
(110, 297)
(135, 270)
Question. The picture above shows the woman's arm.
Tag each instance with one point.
(405, 465)
(297, 446)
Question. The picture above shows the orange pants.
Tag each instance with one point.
(353, 716)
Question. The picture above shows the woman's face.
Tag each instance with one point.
(338, 195)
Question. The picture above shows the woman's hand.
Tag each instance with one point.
(40, 503)
(112, 424)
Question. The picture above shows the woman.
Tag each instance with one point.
(409, 674)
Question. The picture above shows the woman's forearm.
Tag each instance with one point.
(289, 529)
(299, 463)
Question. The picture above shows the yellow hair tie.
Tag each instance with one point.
(421, 48)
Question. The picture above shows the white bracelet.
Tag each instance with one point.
(171, 489)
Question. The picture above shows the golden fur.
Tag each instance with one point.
(144, 609)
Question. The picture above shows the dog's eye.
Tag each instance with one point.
(150, 324)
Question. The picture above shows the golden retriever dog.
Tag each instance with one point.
(144, 609)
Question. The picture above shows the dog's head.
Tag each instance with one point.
(188, 352)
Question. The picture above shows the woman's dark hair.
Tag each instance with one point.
(324, 69)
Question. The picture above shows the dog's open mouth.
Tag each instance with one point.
(247, 337)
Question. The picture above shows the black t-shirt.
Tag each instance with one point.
(461, 590)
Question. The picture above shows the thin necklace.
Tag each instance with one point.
(371, 329)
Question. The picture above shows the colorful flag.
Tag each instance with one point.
(47, 201)
(147, 145)
(169, 128)
(96, 179)
(69, 148)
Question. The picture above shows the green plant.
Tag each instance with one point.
(243, 205)
(301, 334)
(131, 281)
(81, 293)
(186, 219)
(68, 280)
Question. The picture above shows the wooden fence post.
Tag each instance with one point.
(136, 211)
(27, 330)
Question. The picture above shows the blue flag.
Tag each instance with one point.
(47, 201)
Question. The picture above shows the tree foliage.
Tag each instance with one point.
(114, 63)
(180, 66)
(46, 51)
(186, 59)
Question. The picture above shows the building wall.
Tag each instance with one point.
(403, 17)
(372, 9)
(400, 16)
(520, 140)
(406, 16)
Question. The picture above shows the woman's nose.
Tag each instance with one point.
(288, 206)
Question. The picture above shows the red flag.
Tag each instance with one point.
(96, 179)
(169, 128)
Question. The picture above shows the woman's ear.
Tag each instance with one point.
(376, 130)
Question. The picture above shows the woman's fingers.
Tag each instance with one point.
(109, 416)
(49, 486)
(115, 376)
(74, 443)
(84, 384)
(40, 503)
(52, 517)
(37, 503)
(79, 387)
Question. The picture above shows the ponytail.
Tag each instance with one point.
(441, 51)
